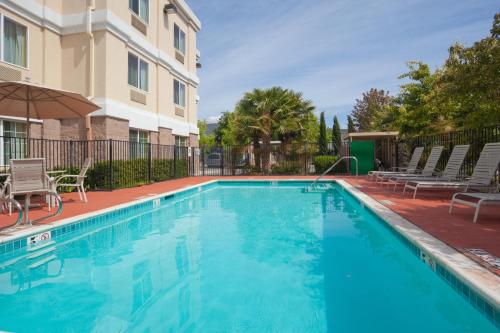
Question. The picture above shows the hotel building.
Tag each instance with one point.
(136, 59)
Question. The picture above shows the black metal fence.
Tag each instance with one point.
(119, 164)
(115, 164)
(476, 138)
(273, 159)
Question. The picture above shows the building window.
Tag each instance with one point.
(14, 140)
(179, 94)
(137, 72)
(138, 143)
(15, 43)
(179, 39)
(140, 8)
(181, 141)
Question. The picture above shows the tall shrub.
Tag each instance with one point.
(322, 140)
(336, 136)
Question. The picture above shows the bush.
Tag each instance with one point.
(128, 173)
(287, 168)
(323, 162)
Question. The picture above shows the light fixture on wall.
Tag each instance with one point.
(169, 8)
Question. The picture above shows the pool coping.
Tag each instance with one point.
(472, 274)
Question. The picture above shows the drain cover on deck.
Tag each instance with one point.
(486, 256)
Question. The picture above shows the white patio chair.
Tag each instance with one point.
(78, 180)
(451, 171)
(411, 168)
(475, 200)
(481, 176)
(428, 170)
(28, 177)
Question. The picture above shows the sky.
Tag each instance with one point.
(330, 50)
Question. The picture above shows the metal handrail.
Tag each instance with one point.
(334, 165)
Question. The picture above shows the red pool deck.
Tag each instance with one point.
(429, 211)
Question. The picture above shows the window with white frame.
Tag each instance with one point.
(181, 141)
(14, 42)
(138, 143)
(140, 8)
(179, 39)
(137, 72)
(14, 142)
(179, 94)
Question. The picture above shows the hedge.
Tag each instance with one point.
(129, 173)
(323, 162)
(287, 168)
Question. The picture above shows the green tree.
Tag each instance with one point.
(205, 140)
(351, 128)
(467, 91)
(266, 113)
(369, 107)
(322, 140)
(415, 115)
(223, 131)
(336, 136)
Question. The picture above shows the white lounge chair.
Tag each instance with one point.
(475, 200)
(481, 176)
(411, 168)
(451, 171)
(28, 177)
(78, 180)
(428, 170)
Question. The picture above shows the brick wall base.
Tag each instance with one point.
(104, 128)
(193, 140)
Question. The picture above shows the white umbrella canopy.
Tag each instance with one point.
(24, 99)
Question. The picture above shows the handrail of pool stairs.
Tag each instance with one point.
(18, 207)
(313, 187)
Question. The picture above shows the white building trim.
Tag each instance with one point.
(141, 119)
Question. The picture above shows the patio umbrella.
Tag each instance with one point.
(24, 99)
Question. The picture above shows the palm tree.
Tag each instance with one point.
(266, 113)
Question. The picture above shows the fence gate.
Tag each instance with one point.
(364, 151)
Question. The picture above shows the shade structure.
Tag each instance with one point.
(31, 101)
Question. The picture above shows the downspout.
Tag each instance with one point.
(90, 9)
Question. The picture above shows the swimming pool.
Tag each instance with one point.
(231, 257)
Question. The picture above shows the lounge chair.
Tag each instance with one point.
(28, 177)
(451, 171)
(428, 170)
(78, 180)
(411, 168)
(481, 176)
(475, 200)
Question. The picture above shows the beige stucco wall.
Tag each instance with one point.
(44, 53)
(75, 63)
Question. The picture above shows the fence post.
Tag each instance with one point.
(150, 162)
(305, 159)
(396, 154)
(222, 161)
(110, 171)
(202, 160)
(71, 153)
(175, 162)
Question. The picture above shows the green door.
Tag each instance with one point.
(364, 151)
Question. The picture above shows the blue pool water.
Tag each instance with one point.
(233, 258)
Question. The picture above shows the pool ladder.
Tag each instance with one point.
(314, 185)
